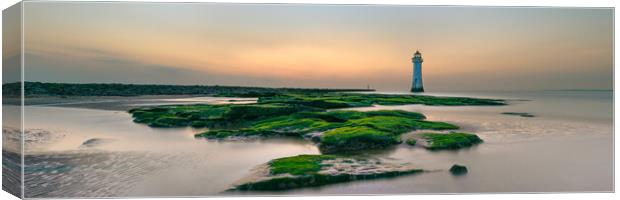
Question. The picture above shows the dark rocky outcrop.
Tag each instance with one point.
(458, 170)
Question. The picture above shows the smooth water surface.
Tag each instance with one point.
(568, 146)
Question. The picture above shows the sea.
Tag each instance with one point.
(566, 147)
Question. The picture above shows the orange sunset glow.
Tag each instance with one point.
(331, 46)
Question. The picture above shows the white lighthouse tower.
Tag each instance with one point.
(416, 85)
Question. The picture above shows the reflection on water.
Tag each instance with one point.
(196, 100)
(568, 150)
(547, 165)
(137, 160)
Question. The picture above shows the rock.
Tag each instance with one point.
(314, 136)
(298, 172)
(458, 170)
(448, 141)
(411, 141)
(521, 114)
(94, 142)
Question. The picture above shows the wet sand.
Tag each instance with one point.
(119, 103)
(553, 152)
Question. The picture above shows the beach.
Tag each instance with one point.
(566, 147)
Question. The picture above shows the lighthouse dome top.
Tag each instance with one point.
(417, 54)
(417, 57)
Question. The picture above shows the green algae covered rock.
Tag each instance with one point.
(411, 141)
(453, 140)
(316, 170)
(298, 165)
(305, 115)
(348, 100)
(212, 115)
(337, 131)
(356, 138)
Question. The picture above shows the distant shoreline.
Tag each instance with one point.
(33, 89)
(581, 90)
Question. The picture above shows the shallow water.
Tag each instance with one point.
(567, 147)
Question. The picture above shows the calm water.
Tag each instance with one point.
(567, 147)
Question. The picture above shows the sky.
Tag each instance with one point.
(319, 46)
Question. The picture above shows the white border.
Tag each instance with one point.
(561, 3)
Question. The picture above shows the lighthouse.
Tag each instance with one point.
(416, 85)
